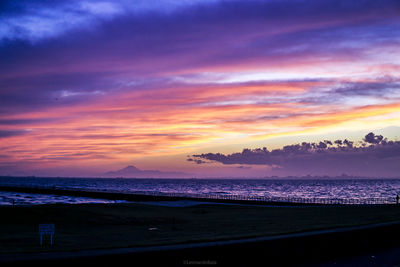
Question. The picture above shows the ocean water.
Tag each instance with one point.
(16, 198)
(297, 188)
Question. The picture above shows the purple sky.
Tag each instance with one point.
(92, 86)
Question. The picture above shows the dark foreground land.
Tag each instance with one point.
(102, 226)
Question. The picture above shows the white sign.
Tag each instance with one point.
(46, 230)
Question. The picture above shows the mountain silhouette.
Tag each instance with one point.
(133, 172)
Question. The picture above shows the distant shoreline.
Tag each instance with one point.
(286, 178)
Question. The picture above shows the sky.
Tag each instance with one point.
(200, 87)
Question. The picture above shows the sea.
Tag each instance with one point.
(279, 188)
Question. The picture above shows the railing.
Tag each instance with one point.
(273, 199)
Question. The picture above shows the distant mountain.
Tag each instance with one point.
(133, 172)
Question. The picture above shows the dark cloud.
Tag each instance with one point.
(376, 156)
(42, 91)
(197, 161)
(373, 88)
(373, 139)
(377, 90)
(6, 133)
(243, 167)
(24, 121)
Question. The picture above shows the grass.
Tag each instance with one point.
(92, 226)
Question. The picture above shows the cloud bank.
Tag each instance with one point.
(375, 156)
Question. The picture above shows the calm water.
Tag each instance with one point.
(354, 188)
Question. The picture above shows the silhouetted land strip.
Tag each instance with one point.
(156, 196)
(102, 226)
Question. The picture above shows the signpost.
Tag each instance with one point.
(46, 230)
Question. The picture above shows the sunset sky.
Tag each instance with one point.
(92, 86)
